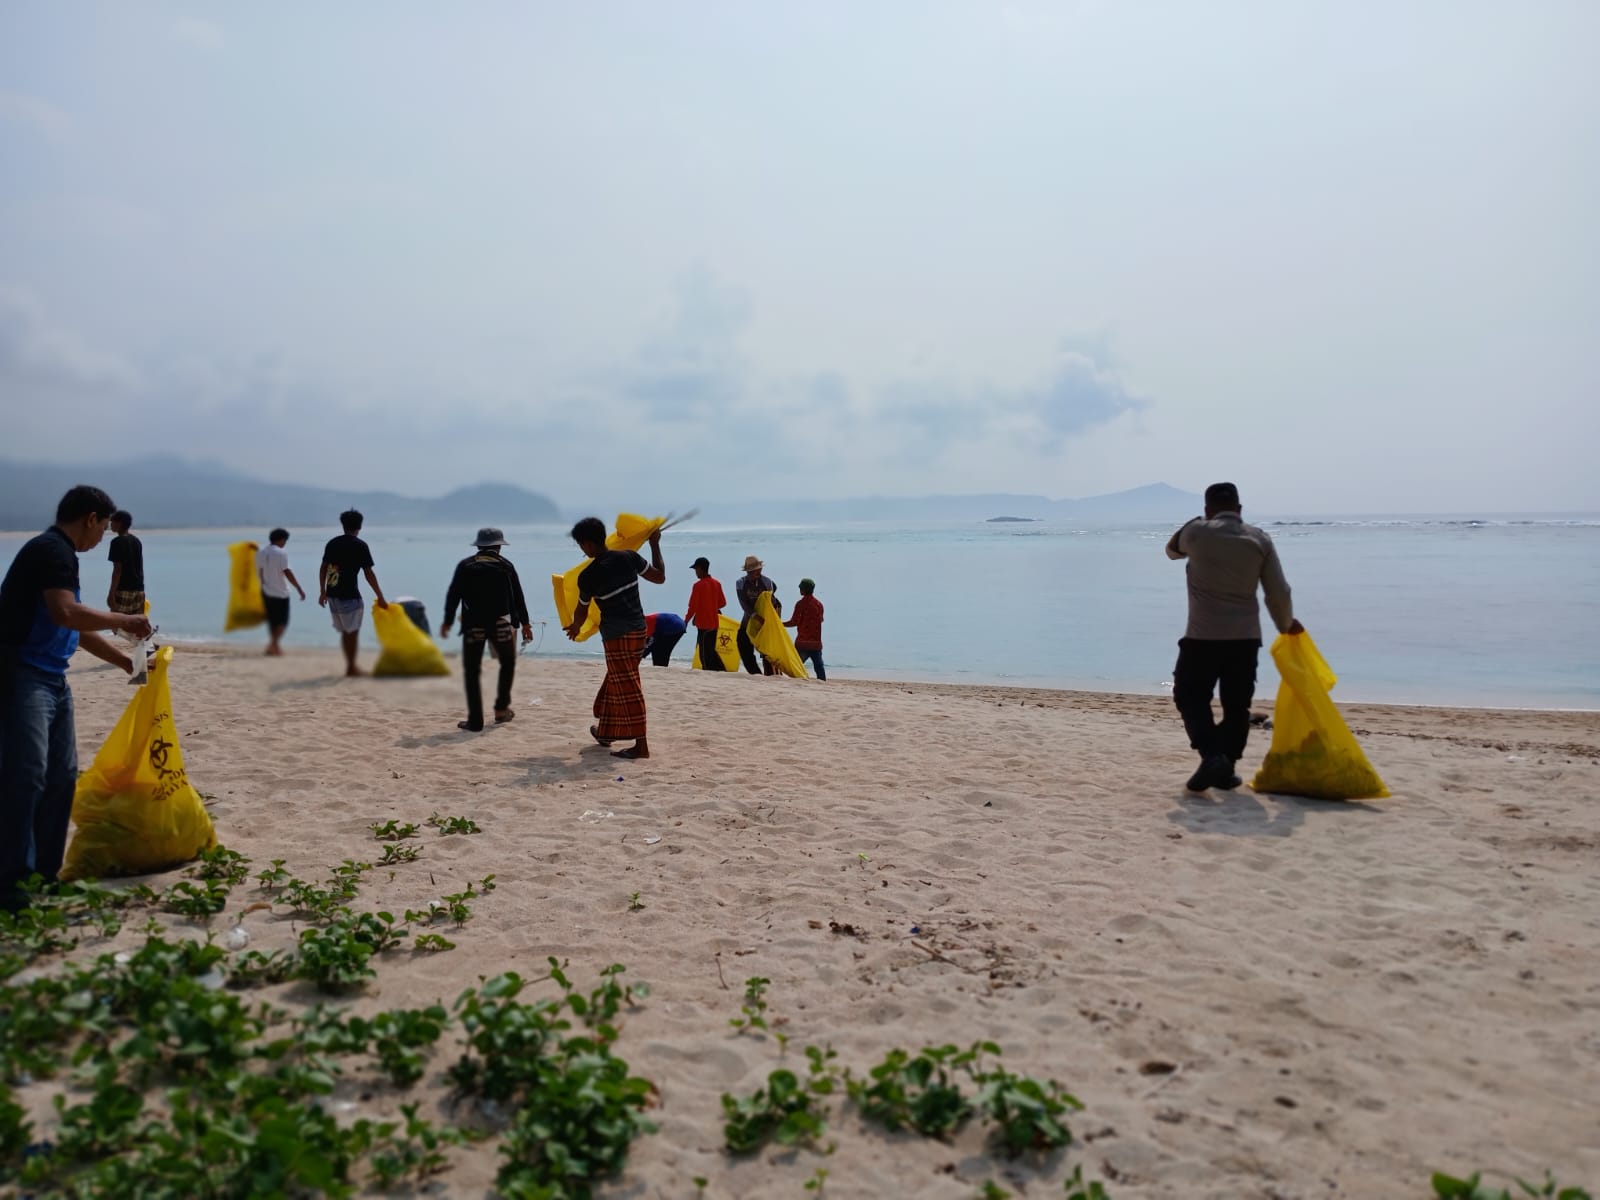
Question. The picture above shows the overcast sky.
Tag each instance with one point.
(658, 253)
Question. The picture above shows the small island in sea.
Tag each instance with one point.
(1010, 520)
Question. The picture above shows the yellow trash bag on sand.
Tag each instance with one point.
(727, 645)
(632, 532)
(134, 808)
(406, 650)
(245, 608)
(771, 639)
(1313, 752)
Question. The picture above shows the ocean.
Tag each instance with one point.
(1414, 610)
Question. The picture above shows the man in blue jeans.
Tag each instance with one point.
(42, 622)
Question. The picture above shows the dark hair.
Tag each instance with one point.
(351, 520)
(807, 587)
(122, 517)
(278, 535)
(1222, 496)
(83, 500)
(590, 529)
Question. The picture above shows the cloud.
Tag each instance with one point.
(39, 358)
(693, 368)
(1078, 395)
(36, 115)
(198, 34)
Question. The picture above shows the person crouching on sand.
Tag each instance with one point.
(612, 582)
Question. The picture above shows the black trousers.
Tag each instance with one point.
(659, 648)
(1204, 667)
(747, 651)
(505, 649)
(705, 641)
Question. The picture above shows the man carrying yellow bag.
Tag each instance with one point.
(1226, 561)
(135, 809)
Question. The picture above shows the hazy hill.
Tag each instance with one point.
(173, 492)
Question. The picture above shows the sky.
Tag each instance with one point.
(652, 255)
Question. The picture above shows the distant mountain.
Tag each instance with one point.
(1153, 502)
(169, 492)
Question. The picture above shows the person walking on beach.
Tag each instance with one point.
(489, 591)
(1226, 560)
(272, 565)
(751, 584)
(662, 631)
(807, 624)
(612, 582)
(339, 588)
(126, 594)
(42, 622)
(706, 603)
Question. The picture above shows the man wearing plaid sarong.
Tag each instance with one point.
(612, 582)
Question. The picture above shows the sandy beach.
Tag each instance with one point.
(1253, 996)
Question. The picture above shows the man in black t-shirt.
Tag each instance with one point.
(492, 605)
(43, 620)
(340, 590)
(127, 567)
(612, 582)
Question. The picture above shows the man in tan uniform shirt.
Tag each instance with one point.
(1226, 560)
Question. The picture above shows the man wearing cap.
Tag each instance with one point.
(1225, 562)
(751, 584)
(492, 606)
(706, 603)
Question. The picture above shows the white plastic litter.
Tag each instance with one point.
(238, 938)
(652, 840)
(591, 815)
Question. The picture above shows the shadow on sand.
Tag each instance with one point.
(1245, 813)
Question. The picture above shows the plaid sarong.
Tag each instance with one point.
(128, 602)
(619, 704)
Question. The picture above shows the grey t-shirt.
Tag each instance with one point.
(1226, 560)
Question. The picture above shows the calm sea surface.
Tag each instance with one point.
(1413, 610)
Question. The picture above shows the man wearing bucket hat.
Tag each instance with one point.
(751, 584)
(492, 606)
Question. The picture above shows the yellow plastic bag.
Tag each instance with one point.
(727, 645)
(770, 638)
(406, 650)
(134, 808)
(1313, 752)
(632, 532)
(245, 608)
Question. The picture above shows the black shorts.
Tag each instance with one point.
(277, 610)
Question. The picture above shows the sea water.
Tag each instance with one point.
(1426, 610)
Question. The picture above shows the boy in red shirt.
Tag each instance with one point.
(807, 624)
(706, 603)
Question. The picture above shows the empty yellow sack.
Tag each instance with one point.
(770, 638)
(245, 608)
(727, 645)
(405, 649)
(632, 532)
(134, 808)
(1313, 752)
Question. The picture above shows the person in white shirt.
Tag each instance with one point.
(272, 564)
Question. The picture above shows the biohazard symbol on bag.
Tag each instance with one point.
(134, 808)
(1313, 752)
(727, 645)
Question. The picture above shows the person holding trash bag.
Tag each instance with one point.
(611, 581)
(750, 585)
(1226, 560)
(340, 589)
(492, 606)
(42, 622)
